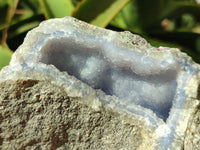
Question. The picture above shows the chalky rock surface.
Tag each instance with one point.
(73, 85)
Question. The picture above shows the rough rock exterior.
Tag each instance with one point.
(72, 85)
(192, 137)
(37, 115)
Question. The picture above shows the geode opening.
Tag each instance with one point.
(91, 65)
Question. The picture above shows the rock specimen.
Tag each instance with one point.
(78, 85)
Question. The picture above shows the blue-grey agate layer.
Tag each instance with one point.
(92, 65)
(160, 82)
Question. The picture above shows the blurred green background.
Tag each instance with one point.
(171, 23)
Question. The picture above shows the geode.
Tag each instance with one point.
(116, 73)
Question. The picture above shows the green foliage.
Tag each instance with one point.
(173, 23)
(56, 9)
(5, 56)
(98, 12)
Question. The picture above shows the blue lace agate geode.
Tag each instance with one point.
(158, 85)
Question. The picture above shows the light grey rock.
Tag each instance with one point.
(150, 93)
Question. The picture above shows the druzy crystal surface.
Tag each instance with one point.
(119, 69)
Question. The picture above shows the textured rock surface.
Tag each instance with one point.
(37, 115)
(192, 138)
(78, 85)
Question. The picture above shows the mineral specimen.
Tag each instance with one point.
(117, 73)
